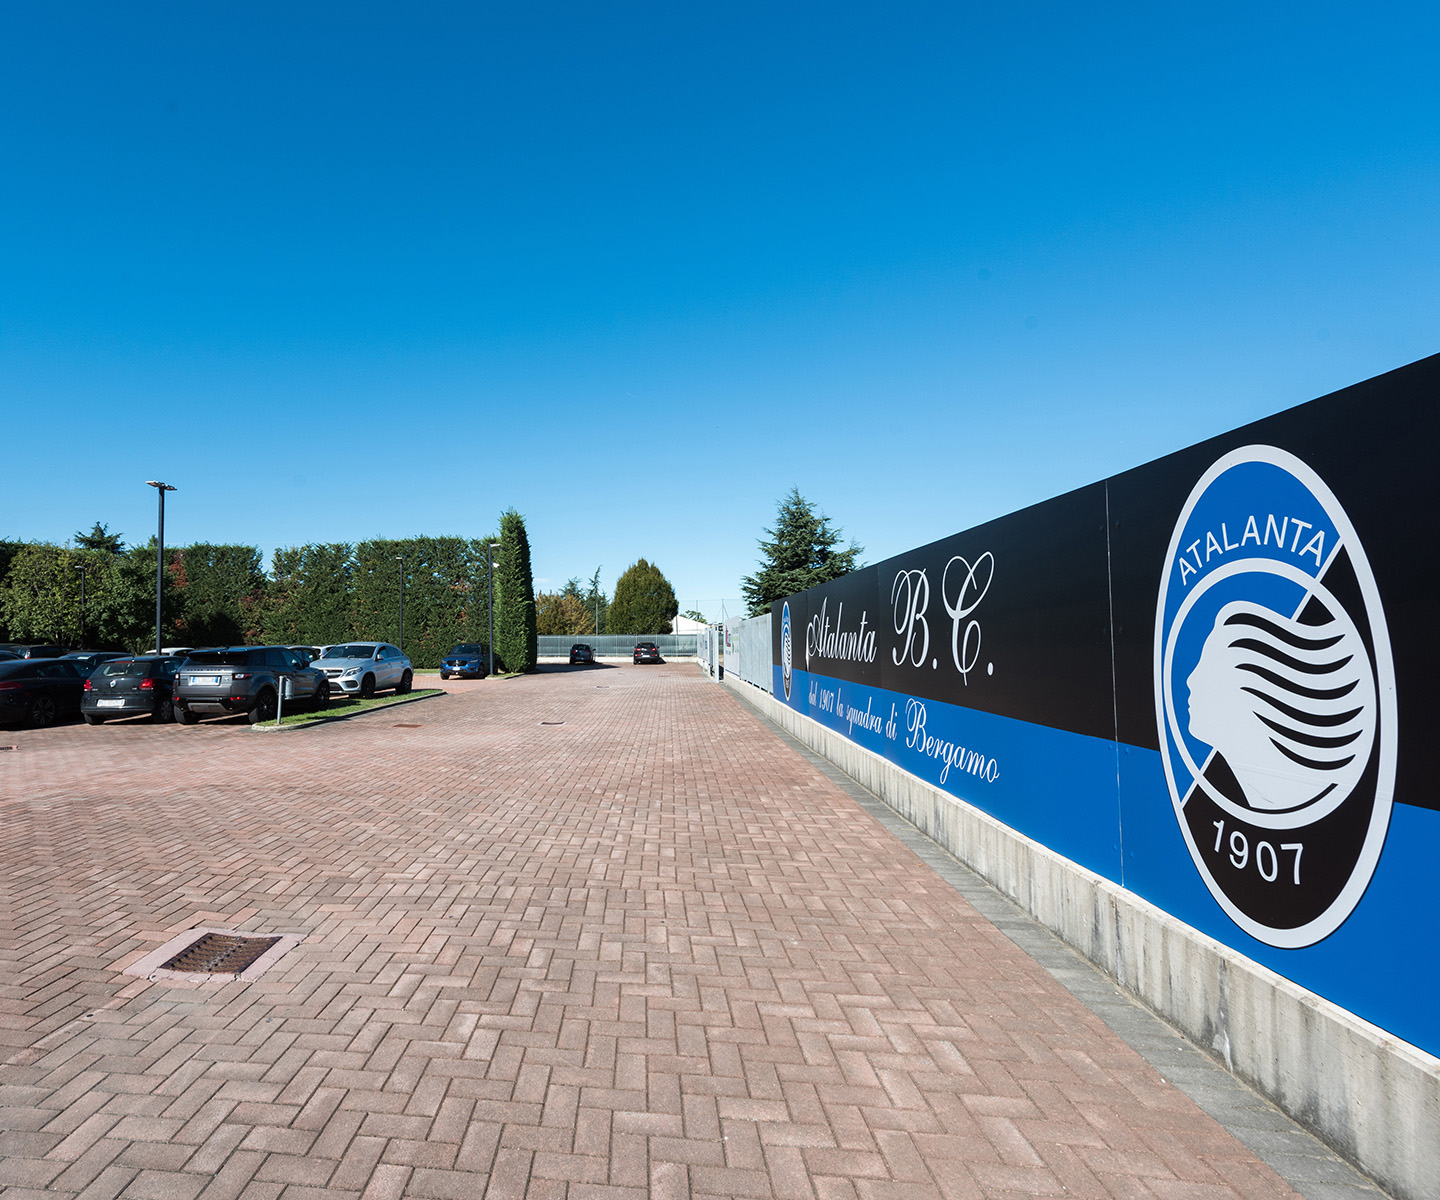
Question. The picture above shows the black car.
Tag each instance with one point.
(34, 651)
(131, 687)
(39, 691)
(581, 653)
(647, 652)
(469, 660)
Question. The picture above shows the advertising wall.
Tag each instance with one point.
(1211, 680)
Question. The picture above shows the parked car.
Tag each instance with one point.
(469, 660)
(581, 653)
(35, 651)
(130, 687)
(88, 660)
(246, 679)
(310, 653)
(364, 668)
(647, 652)
(39, 691)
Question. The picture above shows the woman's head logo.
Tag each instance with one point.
(1290, 707)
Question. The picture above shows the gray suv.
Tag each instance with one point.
(249, 680)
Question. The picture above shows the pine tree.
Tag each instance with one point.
(644, 601)
(800, 552)
(100, 538)
(515, 628)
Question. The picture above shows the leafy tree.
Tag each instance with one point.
(694, 614)
(100, 538)
(40, 596)
(597, 603)
(219, 588)
(446, 600)
(644, 601)
(801, 551)
(515, 626)
(307, 600)
(564, 613)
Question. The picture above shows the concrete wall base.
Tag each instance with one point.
(1372, 1097)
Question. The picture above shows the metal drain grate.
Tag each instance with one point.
(552, 722)
(406, 727)
(219, 953)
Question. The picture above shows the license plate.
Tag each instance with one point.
(213, 680)
(111, 703)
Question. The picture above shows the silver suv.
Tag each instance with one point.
(364, 668)
(246, 679)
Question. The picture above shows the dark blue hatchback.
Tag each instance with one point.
(469, 661)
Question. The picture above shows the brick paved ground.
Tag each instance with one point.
(648, 951)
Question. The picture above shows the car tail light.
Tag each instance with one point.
(87, 685)
(10, 686)
(242, 674)
(145, 684)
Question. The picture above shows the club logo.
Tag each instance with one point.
(1275, 697)
(786, 647)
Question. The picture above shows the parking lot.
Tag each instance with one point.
(592, 933)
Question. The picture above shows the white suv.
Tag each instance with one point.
(364, 668)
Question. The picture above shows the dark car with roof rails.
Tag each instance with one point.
(249, 681)
(39, 691)
(647, 652)
(582, 652)
(45, 651)
(142, 685)
(88, 660)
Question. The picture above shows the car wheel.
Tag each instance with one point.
(367, 688)
(187, 717)
(264, 707)
(406, 680)
(322, 697)
(444, 674)
(93, 718)
(42, 712)
(164, 712)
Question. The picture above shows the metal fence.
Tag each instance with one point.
(615, 645)
(748, 651)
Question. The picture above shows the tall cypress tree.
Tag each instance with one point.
(515, 630)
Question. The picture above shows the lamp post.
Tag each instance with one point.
(490, 568)
(400, 558)
(162, 488)
(82, 569)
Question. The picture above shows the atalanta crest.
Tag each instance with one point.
(787, 648)
(1275, 697)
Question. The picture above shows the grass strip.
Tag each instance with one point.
(347, 706)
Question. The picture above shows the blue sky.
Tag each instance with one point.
(340, 271)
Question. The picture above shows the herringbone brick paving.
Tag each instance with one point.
(648, 951)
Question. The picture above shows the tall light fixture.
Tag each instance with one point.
(490, 568)
(162, 488)
(400, 558)
(82, 569)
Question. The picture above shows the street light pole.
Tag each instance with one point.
(162, 488)
(490, 568)
(400, 558)
(82, 569)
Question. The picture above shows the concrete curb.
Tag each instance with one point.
(1371, 1096)
(271, 727)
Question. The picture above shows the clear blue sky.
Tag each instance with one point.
(362, 269)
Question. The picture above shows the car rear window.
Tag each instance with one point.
(124, 666)
(237, 657)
